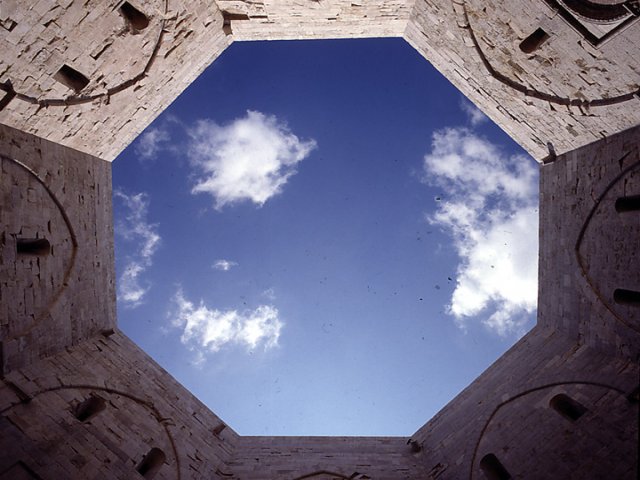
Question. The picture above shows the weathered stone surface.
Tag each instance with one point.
(133, 74)
(567, 92)
(144, 409)
(589, 249)
(79, 400)
(64, 294)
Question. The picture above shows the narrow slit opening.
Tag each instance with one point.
(567, 407)
(89, 408)
(626, 297)
(71, 78)
(534, 41)
(628, 204)
(493, 468)
(151, 463)
(33, 246)
(134, 17)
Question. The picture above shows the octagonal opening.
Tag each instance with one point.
(343, 246)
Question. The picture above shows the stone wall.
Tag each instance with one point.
(56, 248)
(80, 400)
(506, 412)
(92, 75)
(567, 91)
(590, 244)
(98, 410)
(302, 20)
(324, 458)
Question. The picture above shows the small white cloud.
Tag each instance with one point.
(151, 142)
(490, 209)
(269, 294)
(209, 329)
(224, 265)
(249, 159)
(474, 114)
(136, 230)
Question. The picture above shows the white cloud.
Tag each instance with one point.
(474, 114)
(151, 142)
(136, 229)
(490, 208)
(249, 159)
(224, 265)
(209, 329)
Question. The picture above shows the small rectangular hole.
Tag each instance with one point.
(234, 17)
(229, 17)
(493, 468)
(33, 246)
(567, 407)
(626, 297)
(534, 41)
(71, 78)
(151, 463)
(628, 204)
(8, 24)
(7, 95)
(134, 17)
(89, 408)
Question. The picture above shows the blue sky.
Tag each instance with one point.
(325, 238)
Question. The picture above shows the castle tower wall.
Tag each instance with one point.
(79, 81)
(49, 428)
(57, 285)
(92, 75)
(568, 86)
(324, 458)
(507, 412)
(590, 232)
(295, 20)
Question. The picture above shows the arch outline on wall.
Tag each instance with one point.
(74, 246)
(163, 421)
(465, 24)
(79, 99)
(522, 394)
(580, 259)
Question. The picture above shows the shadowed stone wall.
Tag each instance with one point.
(57, 285)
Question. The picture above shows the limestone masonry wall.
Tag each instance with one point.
(566, 91)
(297, 20)
(141, 408)
(326, 458)
(92, 75)
(506, 412)
(80, 79)
(56, 248)
(589, 249)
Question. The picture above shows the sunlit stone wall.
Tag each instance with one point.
(92, 75)
(569, 88)
(315, 19)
